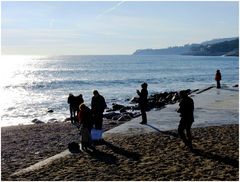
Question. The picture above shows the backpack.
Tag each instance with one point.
(74, 147)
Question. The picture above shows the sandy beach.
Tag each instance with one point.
(132, 151)
(152, 156)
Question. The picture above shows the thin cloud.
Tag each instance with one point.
(110, 9)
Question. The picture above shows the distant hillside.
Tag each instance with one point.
(227, 48)
(216, 47)
(215, 41)
(167, 51)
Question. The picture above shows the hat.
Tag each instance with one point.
(144, 84)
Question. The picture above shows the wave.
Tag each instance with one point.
(116, 83)
(56, 84)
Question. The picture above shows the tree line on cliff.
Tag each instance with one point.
(216, 47)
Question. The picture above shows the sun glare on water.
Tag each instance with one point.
(9, 65)
(10, 68)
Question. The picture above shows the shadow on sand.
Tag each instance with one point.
(103, 156)
(110, 158)
(224, 159)
(118, 150)
(174, 134)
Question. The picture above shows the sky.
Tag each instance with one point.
(111, 27)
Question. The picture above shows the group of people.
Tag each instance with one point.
(87, 118)
(94, 116)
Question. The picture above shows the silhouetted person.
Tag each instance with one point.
(85, 117)
(143, 102)
(98, 105)
(186, 108)
(218, 78)
(86, 123)
(74, 103)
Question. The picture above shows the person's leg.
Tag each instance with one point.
(218, 84)
(71, 114)
(189, 135)
(95, 121)
(98, 122)
(144, 116)
(181, 133)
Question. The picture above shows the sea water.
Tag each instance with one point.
(31, 86)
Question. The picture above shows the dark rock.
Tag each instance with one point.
(175, 97)
(128, 99)
(53, 120)
(169, 97)
(111, 115)
(151, 104)
(124, 118)
(109, 110)
(134, 100)
(192, 91)
(74, 147)
(116, 117)
(50, 111)
(37, 121)
(131, 114)
(160, 104)
(136, 107)
(136, 114)
(117, 107)
(67, 120)
(235, 85)
(123, 110)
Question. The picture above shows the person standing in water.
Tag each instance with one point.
(218, 78)
(143, 102)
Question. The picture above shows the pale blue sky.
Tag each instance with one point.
(112, 27)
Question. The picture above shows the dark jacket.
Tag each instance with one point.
(218, 76)
(85, 118)
(143, 98)
(75, 101)
(98, 104)
(186, 109)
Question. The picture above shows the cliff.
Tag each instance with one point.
(216, 47)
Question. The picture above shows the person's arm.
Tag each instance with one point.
(180, 107)
(138, 92)
(103, 103)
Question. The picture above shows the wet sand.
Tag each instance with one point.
(151, 156)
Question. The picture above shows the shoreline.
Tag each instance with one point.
(114, 114)
(157, 100)
(155, 152)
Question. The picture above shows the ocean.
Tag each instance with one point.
(32, 85)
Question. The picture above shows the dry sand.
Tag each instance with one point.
(152, 156)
